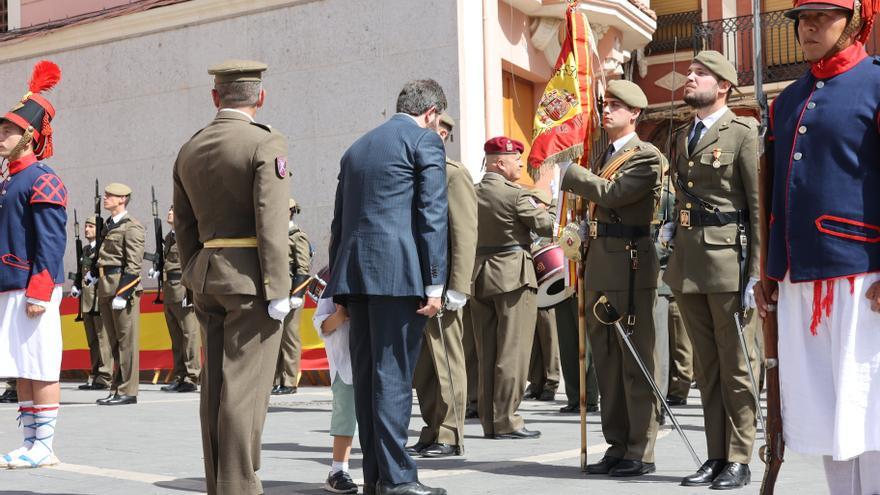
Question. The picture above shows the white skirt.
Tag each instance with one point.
(830, 381)
(30, 347)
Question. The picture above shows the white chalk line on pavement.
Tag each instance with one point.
(194, 398)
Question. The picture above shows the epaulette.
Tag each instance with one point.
(267, 127)
(452, 162)
(748, 122)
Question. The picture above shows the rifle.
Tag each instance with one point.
(772, 453)
(158, 258)
(77, 277)
(99, 239)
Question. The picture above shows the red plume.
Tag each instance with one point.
(870, 9)
(46, 75)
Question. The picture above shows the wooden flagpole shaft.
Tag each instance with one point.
(582, 345)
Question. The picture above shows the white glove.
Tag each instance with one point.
(74, 292)
(667, 232)
(295, 302)
(750, 293)
(89, 280)
(455, 300)
(119, 303)
(153, 273)
(185, 302)
(278, 308)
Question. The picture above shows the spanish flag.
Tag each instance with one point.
(564, 119)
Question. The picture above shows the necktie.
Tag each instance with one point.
(695, 138)
(608, 154)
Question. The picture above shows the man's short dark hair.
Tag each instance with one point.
(419, 95)
(238, 94)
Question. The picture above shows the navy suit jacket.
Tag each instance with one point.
(389, 230)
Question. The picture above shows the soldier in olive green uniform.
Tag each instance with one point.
(504, 305)
(287, 370)
(100, 354)
(622, 265)
(567, 332)
(183, 326)
(441, 358)
(230, 187)
(120, 257)
(715, 254)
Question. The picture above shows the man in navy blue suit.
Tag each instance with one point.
(388, 259)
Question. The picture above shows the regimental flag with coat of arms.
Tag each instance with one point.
(564, 120)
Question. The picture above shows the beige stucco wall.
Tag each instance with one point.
(126, 106)
(40, 11)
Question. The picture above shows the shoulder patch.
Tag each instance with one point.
(48, 188)
(265, 127)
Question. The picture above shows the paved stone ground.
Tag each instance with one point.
(154, 448)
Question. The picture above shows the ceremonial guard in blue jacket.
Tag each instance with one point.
(824, 244)
(33, 215)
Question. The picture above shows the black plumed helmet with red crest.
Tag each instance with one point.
(34, 113)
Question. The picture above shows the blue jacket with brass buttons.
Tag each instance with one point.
(824, 143)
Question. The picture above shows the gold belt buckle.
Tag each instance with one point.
(594, 229)
(101, 272)
(684, 218)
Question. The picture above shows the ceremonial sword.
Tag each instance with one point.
(458, 426)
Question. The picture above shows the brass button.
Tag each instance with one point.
(798, 156)
(690, 164)
(727, 239)
(688, 206)
(811, 105)
(802, 129)
(820, 84)
(690, 184)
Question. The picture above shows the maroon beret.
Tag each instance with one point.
(502, 145)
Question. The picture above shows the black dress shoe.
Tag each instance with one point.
(369, 489)
(171, 387)
(569, 409)
(186, 387)
(628, 467)
(9, 396)
(85, 386)
(471, 413)
(284, 391)
(676, 401)
(416, 448)
(547, 395)
(518, 434)
(275, 389)
(105, 400)
(603, 466)
(707, 472)
(441, 450)
(100, 386)
(531, 394)
(734, 475)
(592, 408)
(409, 489)
(121, 400)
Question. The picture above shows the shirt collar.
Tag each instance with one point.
(22, 163)
(619, 143)
(237, 111)
(711, 119)
(119, 217)
(92, 243)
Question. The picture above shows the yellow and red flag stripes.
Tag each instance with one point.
(564, 118)
(155, 343)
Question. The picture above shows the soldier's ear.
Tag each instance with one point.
(216, 97)
(262, 98)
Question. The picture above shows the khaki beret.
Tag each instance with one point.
(91, 220)
(628, 92)
(291, 204)
(447, 120)
(237, 71)
(718, 64)
(117, 189)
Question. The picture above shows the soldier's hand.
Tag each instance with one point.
(455, 300)
(119, 303)
(430, 307)
(89, 279)
(34, 310)
(764, 300)
(874, 295)
(750, 293)
(74, 291)
(667, 232)
(153, 273)
(296, 302)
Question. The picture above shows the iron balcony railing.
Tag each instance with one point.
(734, 36)
(4, 16)
(674, 30)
